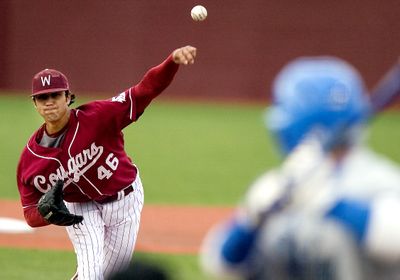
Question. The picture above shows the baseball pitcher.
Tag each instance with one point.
(74, 171)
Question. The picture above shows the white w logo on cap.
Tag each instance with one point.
(45, 80)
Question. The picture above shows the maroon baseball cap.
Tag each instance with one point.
(49, 80)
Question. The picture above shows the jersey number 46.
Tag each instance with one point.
(111, 165)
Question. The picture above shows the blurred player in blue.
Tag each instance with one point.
(330, 211)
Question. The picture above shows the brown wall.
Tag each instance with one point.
(4, 21)
(105, 46)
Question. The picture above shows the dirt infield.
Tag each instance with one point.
(164, 229)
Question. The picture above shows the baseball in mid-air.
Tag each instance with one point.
(198, 13)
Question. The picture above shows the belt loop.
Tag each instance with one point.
(120, 195)
(128, 190)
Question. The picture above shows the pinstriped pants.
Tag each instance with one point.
(104, 243)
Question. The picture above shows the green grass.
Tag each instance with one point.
(385, 135)
(18, 264)
(199, 154)
(18, 120)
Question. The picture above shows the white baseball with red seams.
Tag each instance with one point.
(198, 13)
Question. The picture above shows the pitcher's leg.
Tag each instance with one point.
(121, 230)
(87, 239)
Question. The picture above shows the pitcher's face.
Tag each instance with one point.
(52, 106)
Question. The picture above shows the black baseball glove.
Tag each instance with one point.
(52, 207)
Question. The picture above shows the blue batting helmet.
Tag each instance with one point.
(316, 93)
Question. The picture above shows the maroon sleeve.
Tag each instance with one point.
(153, 83)
(29, 196)
(33, 217)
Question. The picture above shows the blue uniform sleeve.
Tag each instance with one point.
(238, 243)
(353, 214)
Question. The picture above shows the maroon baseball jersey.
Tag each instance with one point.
(91, 158)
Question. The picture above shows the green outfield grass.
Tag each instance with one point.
(188, 153)
(18, 264)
